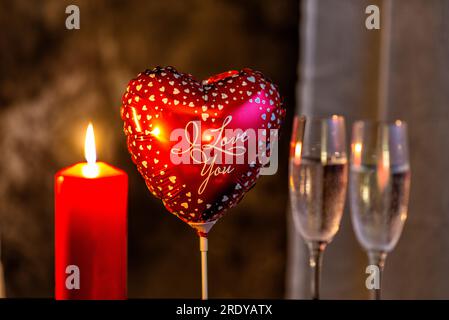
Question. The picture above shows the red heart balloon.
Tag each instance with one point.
(177, 129)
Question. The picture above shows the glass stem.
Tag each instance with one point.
(203, 250)
(316, 249)
(377, 258)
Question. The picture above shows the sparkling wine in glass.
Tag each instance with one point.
(379, 188)
(318, 182)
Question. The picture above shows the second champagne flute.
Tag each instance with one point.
(379, 188)
(318, 183)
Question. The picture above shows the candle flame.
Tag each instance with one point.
(357, 154)
(156, 132)
(383, 170)
(298, 148)
(358, 148)
(89, 145)
(90, 170)
(207, 137)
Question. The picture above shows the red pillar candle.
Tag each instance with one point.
(91, 229)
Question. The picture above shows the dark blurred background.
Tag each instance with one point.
(53, 81)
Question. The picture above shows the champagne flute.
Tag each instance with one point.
(318, 182)
(379, 188)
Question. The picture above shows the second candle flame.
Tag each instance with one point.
(297, 156)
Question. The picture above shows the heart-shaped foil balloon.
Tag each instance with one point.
(200, 146)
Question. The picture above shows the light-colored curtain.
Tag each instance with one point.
(341, 73)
